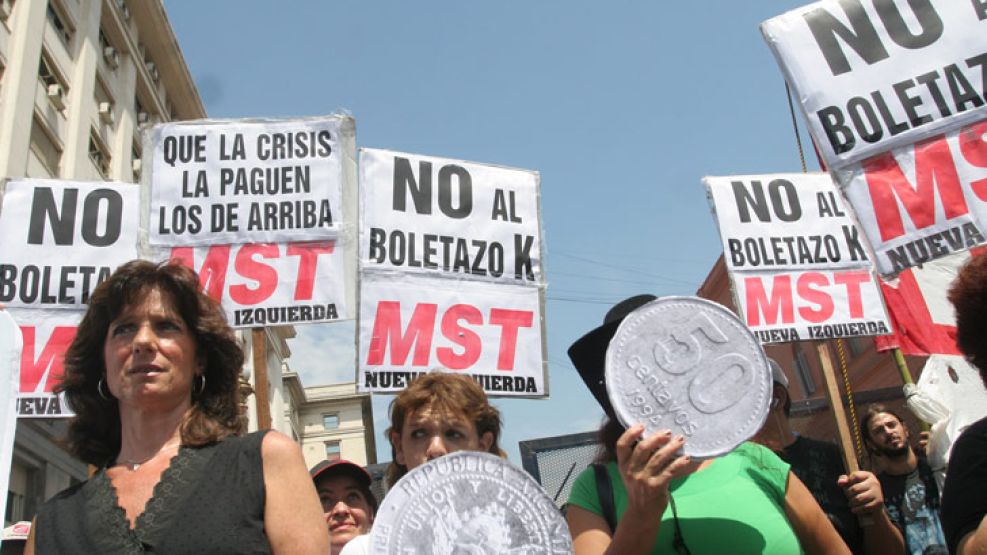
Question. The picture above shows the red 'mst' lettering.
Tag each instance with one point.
(779, 305)
(464, 337)
(806, 287)
(265, 276)
(308, 261)
(387, 331)
(509, 321)
(52, 355)
(974, 148)
(852, 281)
(212, 274)
(934, 170)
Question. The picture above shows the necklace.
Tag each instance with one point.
(134, 465)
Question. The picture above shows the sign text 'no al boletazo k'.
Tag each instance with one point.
(246, 182)
(798, 267)
(451, 273)
(872, 75)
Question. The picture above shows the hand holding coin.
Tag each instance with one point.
(647, 467)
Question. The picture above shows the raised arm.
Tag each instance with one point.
(646, 468)
(863, 491)
(293, 518)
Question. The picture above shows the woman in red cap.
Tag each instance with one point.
(348, 503)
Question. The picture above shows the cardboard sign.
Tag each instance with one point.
(874, 75)
(84, 230)
(411, 324)
(272, 284)
(423, 214)
(219, 182)
(924, 201)
(795, 259)
(47, 335)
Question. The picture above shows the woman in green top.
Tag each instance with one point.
(744, 502)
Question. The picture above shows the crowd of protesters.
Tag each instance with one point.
(152, 378)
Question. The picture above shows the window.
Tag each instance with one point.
(332, 451)
(45, 147)
(57, 21)
(330, 421)
(99, 154)
(804, 373)
(48, 75)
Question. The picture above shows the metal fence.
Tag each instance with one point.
(556, 461)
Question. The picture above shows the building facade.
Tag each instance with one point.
(330, 421)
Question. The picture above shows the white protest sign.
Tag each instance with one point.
(225, 182)
(922, 202)
(798, 268)
(59, 239)
(47, 335)
(784, 222)
(432, 215)
(266, 284)
(872, 75)
(411, 324)
(10, 362)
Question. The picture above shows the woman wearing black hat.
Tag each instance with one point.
(648, 498)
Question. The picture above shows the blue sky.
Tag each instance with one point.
(622, 107)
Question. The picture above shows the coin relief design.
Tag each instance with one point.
(691, 366)
(469, 502)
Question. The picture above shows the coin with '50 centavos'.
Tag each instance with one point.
(691, 366)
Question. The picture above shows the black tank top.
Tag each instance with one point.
(209, 500)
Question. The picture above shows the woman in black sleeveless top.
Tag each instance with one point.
(152, 376)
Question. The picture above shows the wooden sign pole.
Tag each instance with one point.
(836, 404)
(258, 346)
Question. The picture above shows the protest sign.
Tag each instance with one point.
(411, 324)
(47, 335)
(272, 284)
(227, 182)
(794, 256)
(873, 75)
(84, 230)
(10, 362)
(924, 201)
(431, 215)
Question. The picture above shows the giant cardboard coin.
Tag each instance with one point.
(691, 366)
(468, 502)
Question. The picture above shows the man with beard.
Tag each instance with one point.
(910, 492)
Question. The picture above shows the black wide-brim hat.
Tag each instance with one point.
(589, 352)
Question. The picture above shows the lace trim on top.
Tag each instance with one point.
(176, 483)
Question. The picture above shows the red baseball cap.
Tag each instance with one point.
(341, 466)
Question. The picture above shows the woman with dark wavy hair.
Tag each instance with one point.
(152, 376)
(964, 496)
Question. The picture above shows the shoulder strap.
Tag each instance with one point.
(604, 490)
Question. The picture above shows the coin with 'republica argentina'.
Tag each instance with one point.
(691, 366)
(469, 502)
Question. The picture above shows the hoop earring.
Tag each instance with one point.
(202, 387)
(99, 389)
